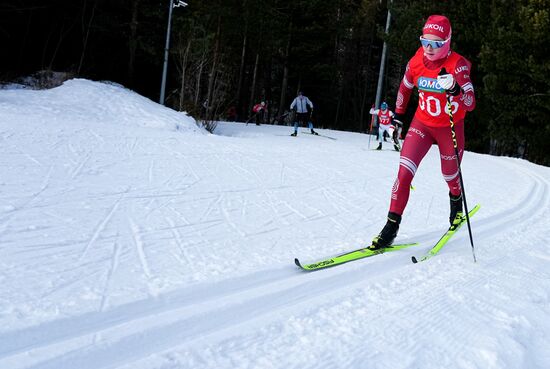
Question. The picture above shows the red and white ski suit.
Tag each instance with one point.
(384, 122)
(431, 123)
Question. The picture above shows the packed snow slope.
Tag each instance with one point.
(130, 238)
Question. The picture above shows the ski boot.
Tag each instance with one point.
(295, 133)
(379, 146)
(388, 233)
(456, 208)
(314, 133)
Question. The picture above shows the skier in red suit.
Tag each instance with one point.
(436, 72)
(259, 111)
(385, 118)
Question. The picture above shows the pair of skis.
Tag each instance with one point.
(366, 252)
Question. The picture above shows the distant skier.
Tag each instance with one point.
(385, 118)
(259, 111)
(303, 108)
(427, 71)
(232, 113)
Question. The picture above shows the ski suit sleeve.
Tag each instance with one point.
(405, 91)
(466, 97)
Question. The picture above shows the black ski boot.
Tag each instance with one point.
(379, 146)
(388, 233)
(456, 208)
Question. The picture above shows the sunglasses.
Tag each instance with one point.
(434, 44)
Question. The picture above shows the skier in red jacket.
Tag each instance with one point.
(259, 111)
(385, 119)
(436, 72)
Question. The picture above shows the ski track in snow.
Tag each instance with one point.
(201, 313)
(149, 249)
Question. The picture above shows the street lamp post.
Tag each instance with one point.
(382, 67)
(167, 47)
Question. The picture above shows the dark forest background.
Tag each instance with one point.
(236, 53)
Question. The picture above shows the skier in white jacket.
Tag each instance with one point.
(303, 115)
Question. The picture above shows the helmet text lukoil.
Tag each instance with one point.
(437, 27)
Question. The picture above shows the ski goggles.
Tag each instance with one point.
(435, 44)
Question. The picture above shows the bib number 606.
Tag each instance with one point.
(432, 105)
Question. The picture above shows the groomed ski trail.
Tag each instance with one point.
(186, 261)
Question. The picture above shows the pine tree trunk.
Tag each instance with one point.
(243, 61)
(284, 84)
(86, 36)
(212, 76)
(132, 41)
(183, 72)
(253, 88)
(364, 104)
(199, 79)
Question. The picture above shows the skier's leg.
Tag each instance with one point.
(380, 132)
(449, 167)
(295, 127)
(381, 129)
(417, 143)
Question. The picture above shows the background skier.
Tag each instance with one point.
(259, 111)
(385, 117)
(303, 108)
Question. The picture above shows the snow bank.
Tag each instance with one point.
(89, 102)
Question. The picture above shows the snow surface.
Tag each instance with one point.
(130, 238)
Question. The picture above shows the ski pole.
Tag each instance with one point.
(455, 144)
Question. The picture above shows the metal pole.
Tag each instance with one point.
(382, 64)
(382, 68)
(166, 48)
